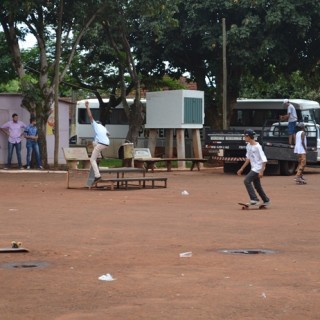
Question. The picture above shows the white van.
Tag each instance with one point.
(252, 113)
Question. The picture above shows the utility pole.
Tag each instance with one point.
(224, 70)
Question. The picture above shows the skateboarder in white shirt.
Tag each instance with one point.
(257, 159)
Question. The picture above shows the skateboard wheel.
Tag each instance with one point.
(15, 244)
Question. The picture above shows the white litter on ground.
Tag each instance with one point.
(106, 277)
(186, 254)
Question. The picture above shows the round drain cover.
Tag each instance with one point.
(24, 265)
(247, 251)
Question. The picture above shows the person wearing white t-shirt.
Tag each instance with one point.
(292, 118)
(257, 159)
(101, 141)
(300, 149)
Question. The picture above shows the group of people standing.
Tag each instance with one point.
(256, 157)
(16, 130)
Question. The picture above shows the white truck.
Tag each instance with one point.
(262, 116)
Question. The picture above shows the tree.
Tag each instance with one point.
(41, 20)
(260, 34)
(114, 64)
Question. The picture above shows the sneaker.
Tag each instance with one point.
(267, 203)
(300, 180)
(28, 167)
(253, 203)
(41, 167)
(96, 180)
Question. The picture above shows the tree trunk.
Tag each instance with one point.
(42, 140)
(136, 121)
(56, 86)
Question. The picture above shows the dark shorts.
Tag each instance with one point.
(292, 127)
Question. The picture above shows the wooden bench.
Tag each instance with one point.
(76, 158)
(142, 157)
(77, 161)
(125, 182)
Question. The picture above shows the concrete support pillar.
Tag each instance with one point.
(152, 142)
(181, 148)
(169, 143)
(196, 145)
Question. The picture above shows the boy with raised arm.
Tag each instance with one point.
(101, 141)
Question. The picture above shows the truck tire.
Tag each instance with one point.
(287, 168)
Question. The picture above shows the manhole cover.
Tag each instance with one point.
(24, 265)
(247, 251)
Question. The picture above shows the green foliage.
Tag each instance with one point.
(293, 86)
(7, 72)
(10, 86)
(164, 83)
(111, 163)
(31, 91)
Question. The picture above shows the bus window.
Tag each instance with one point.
(306, 116)
(317, 115)
(83, 116)
(237, 118)
(118, 116)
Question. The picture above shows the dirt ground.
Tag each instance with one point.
(77, 235)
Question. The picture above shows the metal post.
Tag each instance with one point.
(224, 59)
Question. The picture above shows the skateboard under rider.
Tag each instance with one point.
(246, 206)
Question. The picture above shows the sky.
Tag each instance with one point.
(30, 41)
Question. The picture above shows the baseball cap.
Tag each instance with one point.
(249, 132)
(285, 101)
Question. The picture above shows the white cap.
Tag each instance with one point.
(286, 101)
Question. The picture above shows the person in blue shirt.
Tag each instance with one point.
(291, 117)
(31, 135)
(101, 141)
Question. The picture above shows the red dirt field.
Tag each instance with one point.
(136, 235)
